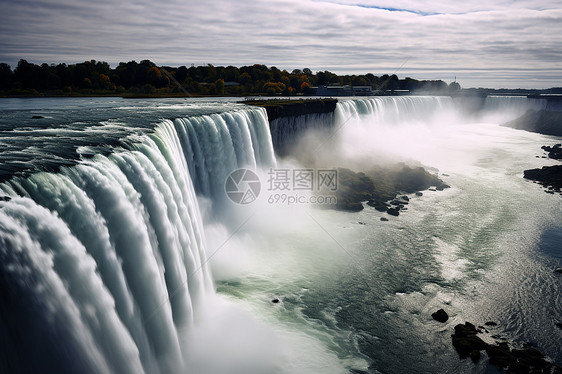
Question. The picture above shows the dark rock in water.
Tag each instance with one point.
(440, 316)
(5, 198)
(559, 325)
(465, 340)
(37, 117)
(381, 207)
(419, 193)
(445, 175)
(393, 211)
(524, 360)
(500, 354)
(490, 323)
(361, 223)
(475, 356)
(380, 184)
(548, 176)
(384, 219)
(554, 152)
(558, 271)
(275, 301)
(432, 189)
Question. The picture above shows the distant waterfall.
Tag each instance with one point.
(103, 264)
(392, 109)
(501, 109)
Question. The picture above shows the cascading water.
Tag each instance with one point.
(499, 109)
(215, 145)
(393, 110)
(103, 264)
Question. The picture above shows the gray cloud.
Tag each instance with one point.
(499, 43)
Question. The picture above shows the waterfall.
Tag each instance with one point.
(215, 145)
(103, 264)
(286, 131)
(500, 109)
(392, 110)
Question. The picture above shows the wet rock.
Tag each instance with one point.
(559, 325)
(558, 270)
(440, 316)
(381, 207)
(384, 219)
(393, 211)
(475, 356)
(465, 340)
(524, 360)
(37, 117)
(548, 176)
(5, 198)
(275, 301)
(500, 354)
(490, 323)
(554, 152)
(419, 193)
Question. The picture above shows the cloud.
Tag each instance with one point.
(476, 41)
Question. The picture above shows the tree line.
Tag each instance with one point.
(146, 78)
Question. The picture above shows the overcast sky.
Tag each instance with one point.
(495, 43)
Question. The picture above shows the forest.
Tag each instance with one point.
(97, 78)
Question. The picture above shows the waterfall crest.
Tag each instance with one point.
(103, 264)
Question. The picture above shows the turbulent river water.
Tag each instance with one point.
(121, 252)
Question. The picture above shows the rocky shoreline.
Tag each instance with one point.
(548, 176)
(540, 121)
(383, 188)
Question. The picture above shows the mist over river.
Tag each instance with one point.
(121, 249)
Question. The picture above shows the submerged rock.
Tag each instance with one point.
(384, 219)
(275, 301)
(419, 193)
(440, 316)
(37, 117)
